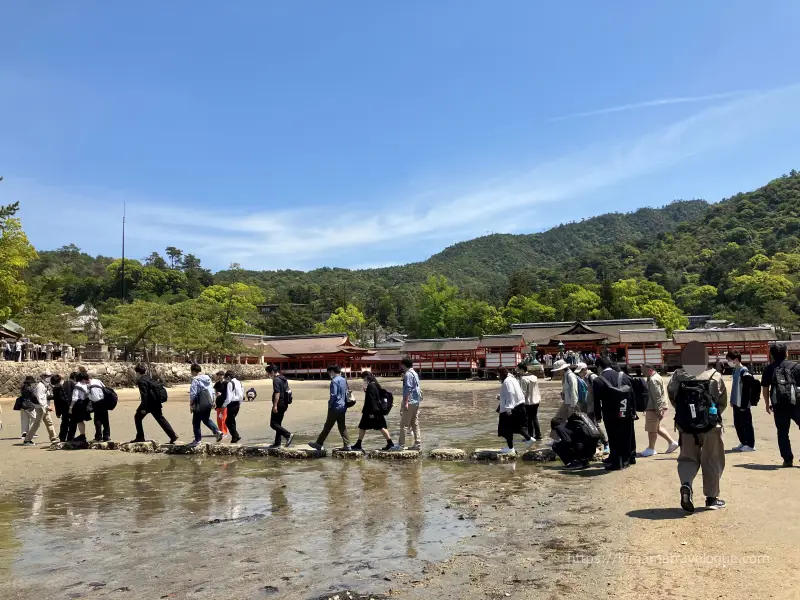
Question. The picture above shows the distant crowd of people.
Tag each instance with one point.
(15, 351)
(569, 357)
(591, 401)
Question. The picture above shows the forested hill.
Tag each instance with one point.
(737, 259)
(482, 266)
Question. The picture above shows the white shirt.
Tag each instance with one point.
(510, 394)
(41, 393)
(80, 392)
(95, 390)
(570, 388)
(235, 392)
(530, 387)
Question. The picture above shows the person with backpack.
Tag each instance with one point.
(338, 403)
(281, 398)
(152, 395)
(43, 395)
(102, 426)
(530, 388)
(61, 404)
(201, 401)
(373, 417)
(233, 398)
(570, 390)
(80, 409)
(409, 407)
(221, 401)
(779, 388)
(699, 398)
(614, 404)
(575, 440)
(656, 408)
(584, 374)
(745, 391)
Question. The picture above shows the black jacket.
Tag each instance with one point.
(607, 402)
(147, 391)
(372, 400)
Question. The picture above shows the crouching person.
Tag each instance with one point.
(575, 440)
(699, 397)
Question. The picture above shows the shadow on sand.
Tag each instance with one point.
(753, 467)
(658, 514)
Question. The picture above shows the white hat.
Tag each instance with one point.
(560, 365)
(581, 366)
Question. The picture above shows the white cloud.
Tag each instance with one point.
(366, 231)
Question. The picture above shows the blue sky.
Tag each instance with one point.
(363, 133)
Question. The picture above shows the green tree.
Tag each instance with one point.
(666, 314)
(435, 305)
(526, 309)
(349, 320)
(16, 253)
(174, 255)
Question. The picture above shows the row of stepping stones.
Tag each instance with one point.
(302, 452)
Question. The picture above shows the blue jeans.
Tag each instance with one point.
(202, 416)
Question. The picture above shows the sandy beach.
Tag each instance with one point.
(518, 530)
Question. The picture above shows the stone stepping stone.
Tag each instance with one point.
(298, 453)
(69, 446)
(148, 447)
(110, 445)
(348, 454)
(394, 454)
(448, 454)
(199, 449)
(257, 450)
(539, 455)
(225, 450)
(492, 455)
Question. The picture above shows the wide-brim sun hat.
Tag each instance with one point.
(560, 365)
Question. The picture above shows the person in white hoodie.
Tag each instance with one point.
(232, 403)
(530, 387)
(569, 390)
(201, 401)
(512, 412)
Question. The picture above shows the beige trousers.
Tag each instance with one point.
(409, 418)
(709, 455)
(36, 416)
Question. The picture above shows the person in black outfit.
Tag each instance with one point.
(221, 395)
(618, 412)
(783, 412)
(150, 403)
(280, 394)
(62, 398)
(372, 416)
(235, 395)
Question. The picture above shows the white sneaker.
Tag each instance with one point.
(530, 443)
(737, 448)
(507, 450)
(672, 447)
(747, 449)
(648, 452)
(398, 447)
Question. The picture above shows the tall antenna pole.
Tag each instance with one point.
(123, 252)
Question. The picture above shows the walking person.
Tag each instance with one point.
(657, 404)
(220, 401)
(570, 391)
(780, 393)
(337, 410)
(151, 398)
(699, 398)
(201, 401)
(43, 395)
(742, 396)
(80, 407)
(409, 407)
(26, 405)
(512, 418)
(234, 397)
(530, 388)
(614, 404)
(102, 426)
(281, 398)
(372, 417)
(62, 393)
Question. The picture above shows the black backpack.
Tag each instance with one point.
(693, 404)
(110, 397)
(784, 383)
(386, 400)
(160, 391)
(286, 393)
(641, 395)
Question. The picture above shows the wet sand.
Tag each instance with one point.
(109, 524)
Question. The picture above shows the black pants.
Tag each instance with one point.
(784, 415)
(337, 418)
(743, 422)
(532, 415)
(63, 431)
(158, 415)
(621, 440)
(102, 428)
(276, 423)
(230, 421)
